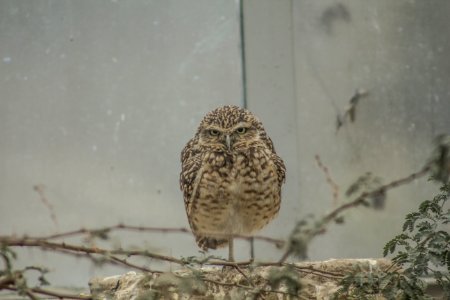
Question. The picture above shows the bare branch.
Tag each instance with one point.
(59, 295)
(360, 200)
(64, 247)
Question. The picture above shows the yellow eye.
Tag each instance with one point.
(241, 130)
(214, 132)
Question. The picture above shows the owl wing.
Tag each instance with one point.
(190, 167)
(279, 164)
(281, 169)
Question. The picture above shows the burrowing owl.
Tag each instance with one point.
(231, 177)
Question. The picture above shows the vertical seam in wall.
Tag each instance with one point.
(243, 60)
(295, 87)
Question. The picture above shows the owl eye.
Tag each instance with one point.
(241, 130)
(214, 132)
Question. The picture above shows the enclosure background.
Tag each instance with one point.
(99, 98)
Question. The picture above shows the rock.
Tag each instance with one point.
(310, 280)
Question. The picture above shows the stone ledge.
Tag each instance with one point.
(228, 283)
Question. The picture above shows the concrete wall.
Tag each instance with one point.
(306, 59)
(98, 99)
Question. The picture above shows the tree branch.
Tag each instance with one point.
(59, 295)
(64, 247)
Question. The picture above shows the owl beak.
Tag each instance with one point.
(228, 142)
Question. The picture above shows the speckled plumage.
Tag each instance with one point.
(231, 177)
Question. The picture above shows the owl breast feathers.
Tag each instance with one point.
(231, 177)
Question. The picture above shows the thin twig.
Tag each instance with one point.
(31, 295)
(318, 272)
(39, 188)
(330, 181)
(126, 263)
(231, 284)
(5, 281)
(107, 229)
(245, 276)
(225, 263)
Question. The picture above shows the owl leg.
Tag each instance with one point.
(252, 249)
(230, 248)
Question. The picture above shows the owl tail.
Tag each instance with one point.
(210, 243)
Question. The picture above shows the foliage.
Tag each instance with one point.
(422, 249)
(17, 277)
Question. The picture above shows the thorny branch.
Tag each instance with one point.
(75, 249)
(31, 293)
(106, 230)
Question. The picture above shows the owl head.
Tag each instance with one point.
(231, 128)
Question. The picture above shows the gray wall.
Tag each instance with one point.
(99, 97)
(306, 59)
